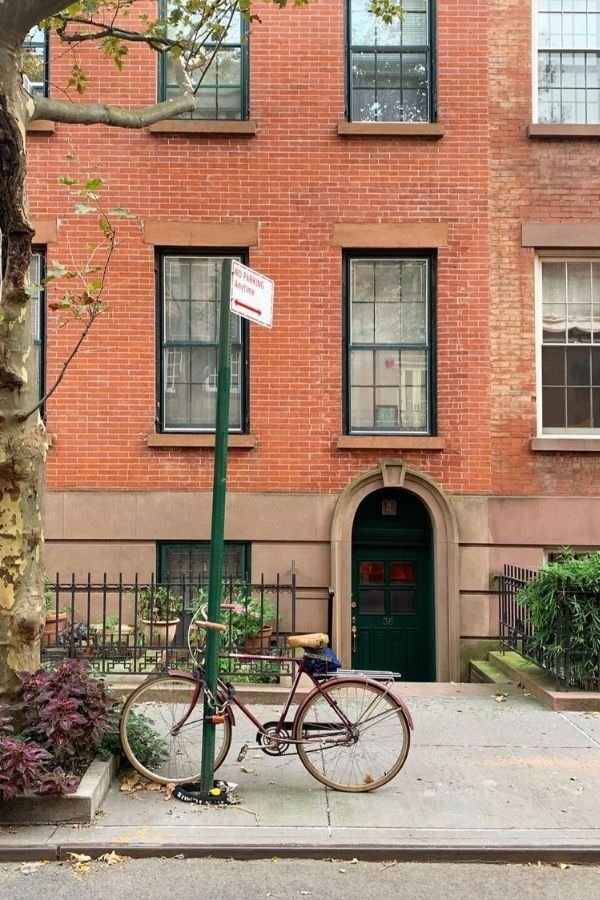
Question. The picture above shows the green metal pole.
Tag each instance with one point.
(207, 771)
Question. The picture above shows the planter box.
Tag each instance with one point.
(35, 809)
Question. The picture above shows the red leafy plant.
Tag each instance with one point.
(65, 716)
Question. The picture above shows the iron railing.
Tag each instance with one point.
(571, 669)
(139, 627)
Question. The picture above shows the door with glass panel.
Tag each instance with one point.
(392, 611)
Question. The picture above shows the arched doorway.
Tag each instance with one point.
(393, 617)
(394, 474)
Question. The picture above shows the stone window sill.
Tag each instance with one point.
(556, 130)
(41, 126)
(388, 442)
(432, 131)
(566, 445)
(204, 126)
(243, 441)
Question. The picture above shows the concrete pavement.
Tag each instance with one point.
(491, 774)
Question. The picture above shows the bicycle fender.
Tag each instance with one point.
(371, 681)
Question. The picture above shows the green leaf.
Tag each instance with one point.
(82, 208)
(67, 179)
(118, 212)
(93, 184)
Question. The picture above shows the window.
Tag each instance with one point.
(191, 562)
(568, 61)
(390, 66)
(38, 319)
(190, 289)
(388, 359)
(570, 351)
(222, 92)
(35, 63)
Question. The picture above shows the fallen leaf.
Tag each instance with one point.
(113, 858)
(354, 862)
(79, 857)
(368, 779)
(500, 697)
(169, 788)
(248, 770)
(132, 783)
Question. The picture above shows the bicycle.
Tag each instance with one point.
(350, 732)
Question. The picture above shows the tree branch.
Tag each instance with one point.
(103, 114)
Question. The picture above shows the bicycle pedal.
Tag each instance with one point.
(242, 753)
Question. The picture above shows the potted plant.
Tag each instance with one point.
(56, 620)
(159, 609)
(250, 623)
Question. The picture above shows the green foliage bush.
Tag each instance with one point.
(564, 603)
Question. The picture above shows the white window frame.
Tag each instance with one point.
(554, 256)
(535, 51)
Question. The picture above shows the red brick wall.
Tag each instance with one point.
(297, 177)
(538, 181)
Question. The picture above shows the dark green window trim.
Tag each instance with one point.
(395, 81)
(187, 365)
(37, 44)
(219, 96)
(374, 401)
(37, 273)
(194, 561)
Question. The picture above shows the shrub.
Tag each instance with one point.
(564, 603)
(146, 743)
(67, 713)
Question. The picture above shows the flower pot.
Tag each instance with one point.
(53, 626)
(260, 641)
(159, 634)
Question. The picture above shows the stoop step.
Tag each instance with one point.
(482, 671)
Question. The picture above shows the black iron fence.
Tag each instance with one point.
(139, 627)
(572, 669)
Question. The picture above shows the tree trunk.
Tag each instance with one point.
(22, 440)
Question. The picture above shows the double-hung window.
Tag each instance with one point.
(570, 346)
(38, 319)
(35, 63)
(190, 290)
(220, 77)
(389, 344)
(568, 61)
(390, 66)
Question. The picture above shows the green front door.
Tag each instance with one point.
(392, 610)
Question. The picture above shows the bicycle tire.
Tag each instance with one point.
(149, 716)
(378, 741)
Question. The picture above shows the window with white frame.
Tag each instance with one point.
(190, 291)
(388, 349)
(38, 319)
(35, 60)
(390, 65)
(570, 346)
(568, 61)
(221, 47)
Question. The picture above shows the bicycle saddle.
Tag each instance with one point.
(315, 641)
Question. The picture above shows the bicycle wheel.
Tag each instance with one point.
(156, 740)
(359, 757)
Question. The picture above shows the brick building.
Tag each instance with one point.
(425, 408)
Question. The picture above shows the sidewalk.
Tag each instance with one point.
(488, 777)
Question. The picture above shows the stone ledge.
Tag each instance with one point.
(540, 684)
(77, 808)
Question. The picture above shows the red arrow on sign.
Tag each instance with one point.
(253, 309)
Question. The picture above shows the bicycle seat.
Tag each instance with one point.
(315, 641)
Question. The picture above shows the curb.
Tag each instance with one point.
(72, 809)
(568, 854)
